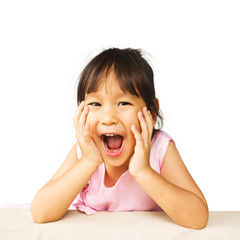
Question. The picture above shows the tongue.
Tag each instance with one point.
(114, 142)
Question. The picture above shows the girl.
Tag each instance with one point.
(121, 162)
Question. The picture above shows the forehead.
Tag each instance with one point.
(109, 86)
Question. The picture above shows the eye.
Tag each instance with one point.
(95, 104)
(124, 103)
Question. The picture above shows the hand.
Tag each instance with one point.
(88, 148)
(139, 161)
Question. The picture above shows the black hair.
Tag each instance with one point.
(132, 71)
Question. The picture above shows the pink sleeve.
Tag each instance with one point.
(164, 139)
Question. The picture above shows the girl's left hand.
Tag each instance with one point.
(139, 161)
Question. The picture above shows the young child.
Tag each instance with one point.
(121, 162)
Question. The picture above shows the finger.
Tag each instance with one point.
(86, 133)
(77, 115)
(82, 119)
(144, 128)
(149, 120)
(137, 135)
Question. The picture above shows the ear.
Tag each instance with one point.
(156, 103)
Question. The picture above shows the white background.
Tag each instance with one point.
(195, 53)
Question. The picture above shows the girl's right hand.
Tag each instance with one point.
(88, 148)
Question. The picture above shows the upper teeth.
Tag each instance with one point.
(109, 135)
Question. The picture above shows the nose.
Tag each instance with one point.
(109, 117)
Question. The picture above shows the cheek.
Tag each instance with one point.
(133, 120)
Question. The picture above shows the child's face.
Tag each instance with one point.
(112, 112)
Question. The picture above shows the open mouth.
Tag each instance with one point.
(112, 144)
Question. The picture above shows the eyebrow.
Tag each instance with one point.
(93, 95)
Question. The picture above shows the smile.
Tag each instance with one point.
(112, 144)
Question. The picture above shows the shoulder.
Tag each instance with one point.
(171, 152)
(159, 147)
(161, 139)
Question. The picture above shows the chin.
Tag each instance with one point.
(113, 162)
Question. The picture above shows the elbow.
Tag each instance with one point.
(200, 217)
(199, 226)
(201, 222)
(196, 220)
(39, 216)
(38, 219)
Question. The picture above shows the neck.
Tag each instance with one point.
(112, 174)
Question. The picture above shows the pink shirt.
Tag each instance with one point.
(126, 194)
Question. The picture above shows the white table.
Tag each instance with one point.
(18, 224)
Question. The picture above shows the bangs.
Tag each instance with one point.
(126, 67)
(125, 81)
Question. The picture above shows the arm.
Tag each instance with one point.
(53, 200)
(175, 191)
